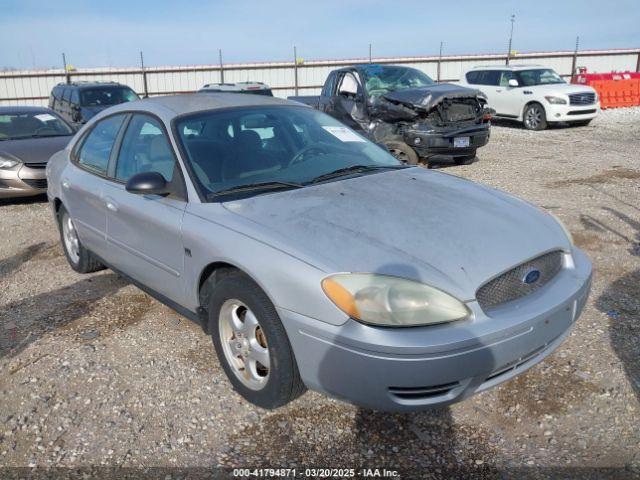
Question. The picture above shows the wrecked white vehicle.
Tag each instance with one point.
(402, 108)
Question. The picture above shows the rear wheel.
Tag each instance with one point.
(79, 258)
(403, 152)
(251, 343)
(535, 117)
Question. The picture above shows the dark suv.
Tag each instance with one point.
(79, 101)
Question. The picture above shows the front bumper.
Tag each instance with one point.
(417, 368)
(23, 180)
(428, 143)
(571, 113)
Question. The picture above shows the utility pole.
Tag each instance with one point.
(369, 53)
(295, 70)
(144, 76)
(221, 67)
(66, 72)
(513, 19)
(575, 58)
(439, 61)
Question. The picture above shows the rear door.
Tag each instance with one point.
(84, 179)
(144, 231)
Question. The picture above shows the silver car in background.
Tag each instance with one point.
(312, 256)
(28, 138)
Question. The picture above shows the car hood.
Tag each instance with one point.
(561, 89)
(428, 97)
(413, 223)
(33, 150)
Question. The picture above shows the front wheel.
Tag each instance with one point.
(403, 152)
(251, 343)
(535, 118)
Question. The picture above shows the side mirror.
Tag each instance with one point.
(148, 183)
(513, 83)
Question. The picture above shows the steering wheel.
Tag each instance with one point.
(299, 157)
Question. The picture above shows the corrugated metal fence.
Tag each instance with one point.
(287, 78)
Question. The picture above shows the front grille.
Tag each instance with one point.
(39, 183)
(511, 285)
(37, 166)
(581, 112)
(586, 98)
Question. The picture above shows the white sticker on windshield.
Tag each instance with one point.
(344, 134)
(45, 117)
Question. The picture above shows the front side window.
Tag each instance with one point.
(96, 149)
(248, 146)
(145, 148)
(105, 96)
(539, 76)
(382, 79)
(14, 126)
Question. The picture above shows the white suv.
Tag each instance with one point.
(534, 95)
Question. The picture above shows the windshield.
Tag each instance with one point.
(379, 79)
(99, 97)
(539, 76)
(33, 124)
(293, 145)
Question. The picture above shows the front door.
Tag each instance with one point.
(144, 231)
(348, 103)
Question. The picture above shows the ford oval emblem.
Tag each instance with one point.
(531, 277)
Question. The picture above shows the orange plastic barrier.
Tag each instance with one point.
(615, 89)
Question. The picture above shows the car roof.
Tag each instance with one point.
(174, 105)
(234, 87)
(83, 85)
(17, 109)
(507, 67)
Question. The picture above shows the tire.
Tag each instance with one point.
(79, 258)
(403, 152)
(466, 160)
(269, 386)
(534, 117)
(581, 123)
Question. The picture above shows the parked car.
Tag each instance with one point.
(312, 256)
(534, 95)
(28, 137)
(402, 108)
(79, 101)
(256, 88)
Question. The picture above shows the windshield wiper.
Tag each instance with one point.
(341, 172)
(255, 186)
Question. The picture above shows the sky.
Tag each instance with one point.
(94, 33)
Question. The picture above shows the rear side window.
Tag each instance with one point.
(96, 149)
(484, 77)
(145, 148)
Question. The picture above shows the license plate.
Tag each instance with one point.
(461, 142)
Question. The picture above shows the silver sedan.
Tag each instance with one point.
(312, 256)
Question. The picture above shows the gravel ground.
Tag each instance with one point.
(95, 375)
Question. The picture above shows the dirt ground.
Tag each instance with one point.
(94, 374)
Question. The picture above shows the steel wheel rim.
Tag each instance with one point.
(70, 237)
(244, 344)
(533, 117)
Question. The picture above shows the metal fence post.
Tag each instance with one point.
(144, 76)
(67, 75)
(369, 53)
(439, 60)
(638, 63)
(574, 62)
(221, 66)
(295, 70)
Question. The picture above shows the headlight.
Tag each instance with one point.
(391, 301)
(556, 100)
(6, 163)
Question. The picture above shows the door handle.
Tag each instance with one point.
(112, 206)
(66, 185)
